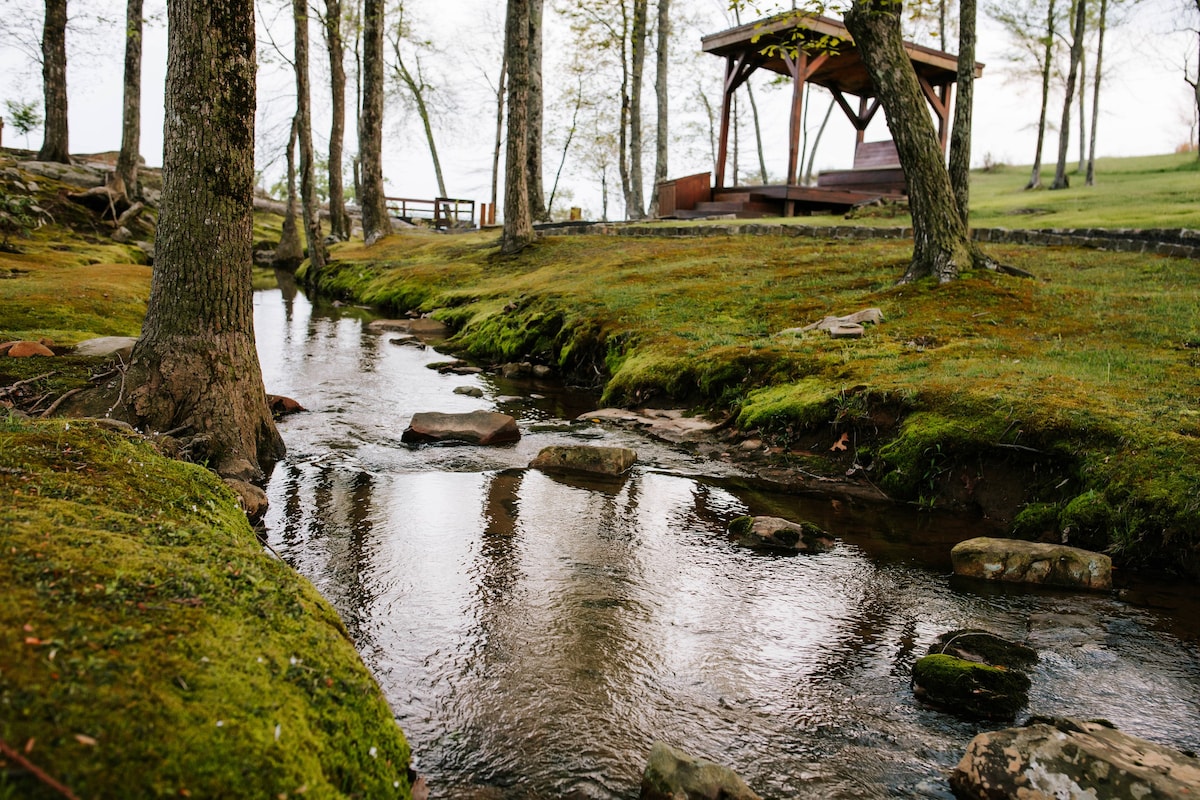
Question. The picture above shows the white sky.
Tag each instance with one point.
(1145, 104)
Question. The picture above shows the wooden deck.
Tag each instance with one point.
(694, 198)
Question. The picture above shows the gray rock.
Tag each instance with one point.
(1065, 758)
(475, 427)
(84, 177)
(671, 774)
(848, 324)
(106, 346)
(1017, 561)
(469, 391)
(422, 326)
(122, 235)
(672, 425)
(776, 533)
(607, 461)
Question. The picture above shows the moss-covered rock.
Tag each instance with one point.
(984, 647)
(969, 688)
(1087, 520)
(776, 533)
(671, 774)
(1035, 522)
(150, 648)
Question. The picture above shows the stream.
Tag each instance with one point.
(535, 635)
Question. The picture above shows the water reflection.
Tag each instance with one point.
(536, 635)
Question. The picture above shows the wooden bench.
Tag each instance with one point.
(876, 169)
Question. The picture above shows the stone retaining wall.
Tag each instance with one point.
(1178, 242)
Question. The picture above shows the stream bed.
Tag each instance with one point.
(536, 635)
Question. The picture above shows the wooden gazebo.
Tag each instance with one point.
(831, 60)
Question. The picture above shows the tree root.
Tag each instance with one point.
(24, 763)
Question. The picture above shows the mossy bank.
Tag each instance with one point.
(1066, 407)
(151, 648)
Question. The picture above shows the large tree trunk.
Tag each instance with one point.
(1035, 177)
(372, 200)
(960, 136)
(636, 73)
(289, 252)
(131, 110)
(661, 131)
(339, 220)
(518, 224)
(310, 204)
(195, 369)
(1064, 130)
(54, 83)
(1091, 161)
(534, 131)
(941, 247)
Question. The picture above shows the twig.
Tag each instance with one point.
(14, 386)
(54, 406)
(36, 771)
(38, 401)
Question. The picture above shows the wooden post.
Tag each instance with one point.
(723, 144)
(799, 69)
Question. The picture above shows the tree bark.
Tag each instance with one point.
(310, 205)
(289, 252)
(637, 70)
(1035, 177)
(131, 111)
(941, 247)
(54, 83)
(195, 366)
(534, 131)
(1064, 131)
(372, 200)
(1082, 95)
(661, 130)
(623, 125)
(339, 220)
(1091, 161)
(500, 89)
(518, 224)
(960, 136)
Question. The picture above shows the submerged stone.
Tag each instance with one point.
(1068, 758)
(606, 461)
(671, 774)
(1018, 561)
(776, 533)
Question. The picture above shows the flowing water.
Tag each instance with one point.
(536, 635)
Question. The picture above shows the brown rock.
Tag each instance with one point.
(608, 461)
(475, 427)
(283, 406)
(252, 499)
(28, 349)
(1018, 561)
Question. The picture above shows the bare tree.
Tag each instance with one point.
(1195, 84)
(131, 109)
(1101, 27)
(518, 223)
(55, 145)
(309, 203)
(534, 130)
(661, 98)
(339, 220)
(1032, 26)
(1064, 131)
(414, 83)
(371, 198)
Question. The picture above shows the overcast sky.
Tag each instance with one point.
(1145, 105)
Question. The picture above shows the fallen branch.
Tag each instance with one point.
(12, 388)
(54, 406)
(24, 763)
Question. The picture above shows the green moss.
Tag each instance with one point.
(150, 646)
(1035, 522)
(970, 688)
(1087, 520)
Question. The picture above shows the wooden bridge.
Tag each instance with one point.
(442, 212)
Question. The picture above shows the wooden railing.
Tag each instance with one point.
(444, 212)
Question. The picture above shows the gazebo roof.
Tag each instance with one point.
(844, 72)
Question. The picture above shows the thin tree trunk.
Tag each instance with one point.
(566, 146)
(131, 110)
(500, 88)
(339, 221)
(195, 367)
(415, 86)
(623, 127)
(534, 131)
(812, 154)
(942, 25)
(661, 132)
(375, 220)
(940, 244)
(960, 136)
(54, 83)
(518, 224)
(1035, 177)
(638, 36)
(290, 252)
(710, 116)
(1091, 162)
(309, 203)
(1082, 94)
(1064, 131)
(762, 159)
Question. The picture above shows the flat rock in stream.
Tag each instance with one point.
(1018, 561)
(670, 424)
(422, 326)
(583, 459)
(475, 427)
(776, 533)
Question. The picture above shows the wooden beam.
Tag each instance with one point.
(799, 68)
(859, 119)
